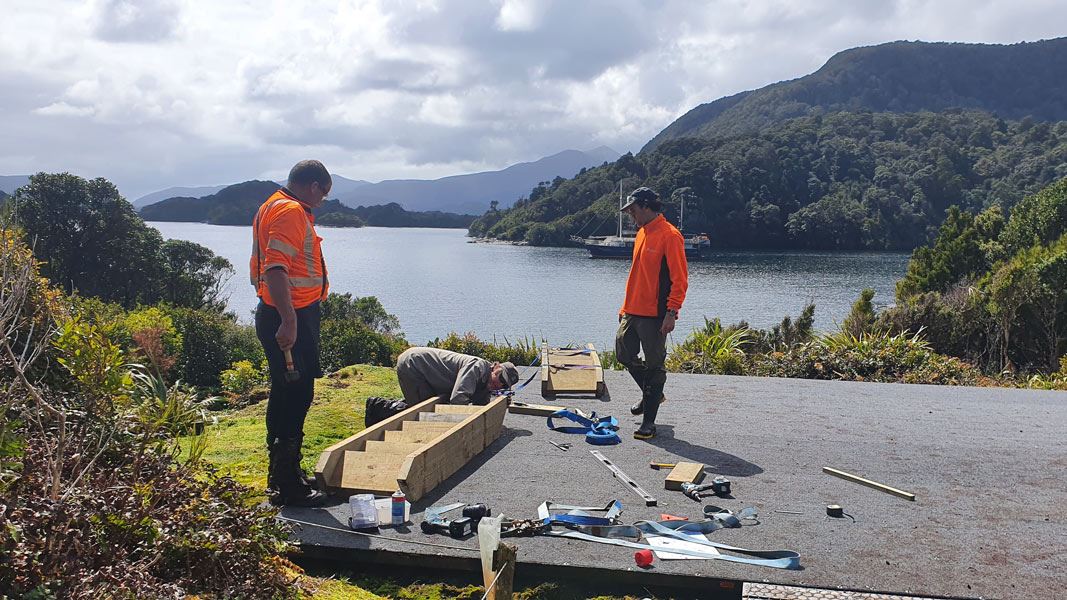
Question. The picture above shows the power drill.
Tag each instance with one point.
(720, 486)
(435, 522)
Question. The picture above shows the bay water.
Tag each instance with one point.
(436, 281)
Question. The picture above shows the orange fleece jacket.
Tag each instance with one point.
(659, 274)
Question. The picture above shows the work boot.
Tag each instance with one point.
(639, 406)
(308, 480)
(647, 430)
(291, 486)
(273, 452)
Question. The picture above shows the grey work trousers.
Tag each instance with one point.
(642, 333)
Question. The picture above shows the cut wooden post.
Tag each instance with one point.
(504, 572)
(683, 472)
(871, 484)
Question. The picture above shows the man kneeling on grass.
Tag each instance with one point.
(427, 372)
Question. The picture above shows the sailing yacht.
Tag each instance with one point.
(621, 245)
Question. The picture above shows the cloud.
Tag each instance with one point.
(135, 20)
(410, 88)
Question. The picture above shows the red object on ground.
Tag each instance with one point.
(666, 517)
(643, 558)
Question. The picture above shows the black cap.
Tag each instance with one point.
(643, 196)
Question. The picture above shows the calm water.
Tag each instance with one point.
(436, 282)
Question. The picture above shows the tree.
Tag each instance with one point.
(92, 242)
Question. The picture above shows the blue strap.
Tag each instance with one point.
(599, 431)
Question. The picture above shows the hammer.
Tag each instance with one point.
(291, 374)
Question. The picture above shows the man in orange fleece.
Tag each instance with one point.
(655, 291)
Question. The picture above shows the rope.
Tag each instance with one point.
(375, 535)
(491, 585)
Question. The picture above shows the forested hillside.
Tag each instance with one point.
(842, 181)
(1011, 81)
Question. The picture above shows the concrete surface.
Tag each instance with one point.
(988, 468)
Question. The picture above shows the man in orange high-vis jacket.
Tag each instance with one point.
(655, 291)
(289, 274)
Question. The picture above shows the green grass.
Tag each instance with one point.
(237, 444)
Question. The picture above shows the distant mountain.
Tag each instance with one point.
(394, 215)
(341, 185)
(237, 205)
(10, 183)
(472, 193)
(1011, 81)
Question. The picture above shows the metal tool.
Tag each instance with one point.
(648, 498)
(657, 466)
(291, 374)
(562, 447)
(720, 486)
(435, 522)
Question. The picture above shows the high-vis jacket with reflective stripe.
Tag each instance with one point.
(283, 235)
(659, 274)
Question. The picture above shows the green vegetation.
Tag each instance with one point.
(1014, 81)
(991, 292)
(94, 243)
(841, 181)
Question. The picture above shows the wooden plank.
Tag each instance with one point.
(871, 484)
(424, 470)
(328, 468)
(540, 410)
(396, 448)
(366, 471)
(434, 417)
(457, 409)
(426, 426)
(413, 437)
(683, 472)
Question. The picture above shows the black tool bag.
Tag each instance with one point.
(380, 409)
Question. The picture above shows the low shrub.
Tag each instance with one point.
(243, 376)
(884, 357)
(520, 352)
(350, 342)
(711, 350)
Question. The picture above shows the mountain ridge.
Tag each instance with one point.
(1010, 80)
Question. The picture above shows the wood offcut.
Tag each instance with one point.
(683, 472)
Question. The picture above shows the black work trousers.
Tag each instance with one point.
(289, 402)
(642, 333)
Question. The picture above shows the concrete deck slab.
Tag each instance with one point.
(988, 468)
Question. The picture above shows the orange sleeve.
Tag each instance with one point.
(679, 269)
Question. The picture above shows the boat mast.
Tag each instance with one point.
(620, 209)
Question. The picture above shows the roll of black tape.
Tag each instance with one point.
(833, 510)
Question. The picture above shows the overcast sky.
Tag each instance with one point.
(155, 93)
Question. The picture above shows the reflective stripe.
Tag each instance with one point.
(309, 248)
(305, 281)
(270, 266)
(282, 247)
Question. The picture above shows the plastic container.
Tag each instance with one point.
(385, 511)
(364, 514)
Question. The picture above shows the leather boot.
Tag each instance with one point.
(292, 491)
(309, 480)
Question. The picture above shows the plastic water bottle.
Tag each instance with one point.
(399, 502)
